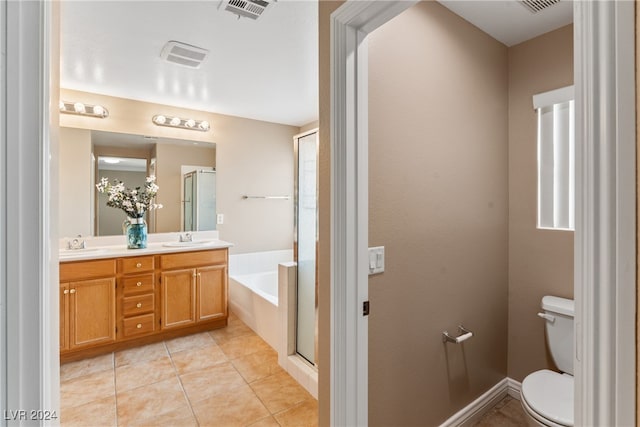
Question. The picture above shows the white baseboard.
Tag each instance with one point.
(471, 413)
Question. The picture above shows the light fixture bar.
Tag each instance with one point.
(177, 122)
(82, 109)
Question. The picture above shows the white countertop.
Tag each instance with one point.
(116, 247)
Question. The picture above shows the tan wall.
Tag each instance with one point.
(169, 159)
(325, 8)
(309, 126)
(540, 261)
(252, 157)
(110, 219)
(76, 186)
(438, 203)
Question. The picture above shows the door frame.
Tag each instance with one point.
(605, 256)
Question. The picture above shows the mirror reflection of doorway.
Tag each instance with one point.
(132, 172)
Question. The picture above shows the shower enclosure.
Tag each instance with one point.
(199, 200)
(306, 243)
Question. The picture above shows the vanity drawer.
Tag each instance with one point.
(138, 304)
(193, 259)
(83, 270)
(137, 264)
(138, 284)
(139, 325)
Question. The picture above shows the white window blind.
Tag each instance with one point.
(556, 159)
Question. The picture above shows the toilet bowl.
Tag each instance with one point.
(547, 396)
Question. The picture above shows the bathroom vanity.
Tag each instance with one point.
(114, 299)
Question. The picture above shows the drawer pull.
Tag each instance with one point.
(138, 265)
(72, 291)
(139, 284)
(138, 305)
(139, 325)
(66, 291)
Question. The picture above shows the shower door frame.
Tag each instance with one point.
(605, 257)
(296, 164)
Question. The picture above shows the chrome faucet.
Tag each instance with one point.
(77, 243)
(186, 237)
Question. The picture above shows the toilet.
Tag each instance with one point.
(547, 396)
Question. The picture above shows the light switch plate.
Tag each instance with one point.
(220, 219)
(376, 260)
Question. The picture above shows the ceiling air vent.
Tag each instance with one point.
(248, 8)
(183, 54)
(536, 6)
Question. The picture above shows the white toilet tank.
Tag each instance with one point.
(560, 330)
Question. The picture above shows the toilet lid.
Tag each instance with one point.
(550, 394)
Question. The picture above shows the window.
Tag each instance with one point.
(556, 158)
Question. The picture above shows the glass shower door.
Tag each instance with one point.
(306, 244)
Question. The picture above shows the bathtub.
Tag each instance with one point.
(253, 291)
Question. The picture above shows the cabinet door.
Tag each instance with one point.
(178, 298)
(212, 292)
(92, 309)
(64, 316)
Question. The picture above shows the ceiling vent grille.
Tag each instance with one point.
(536, 6)
(248, 8)
(183, 54)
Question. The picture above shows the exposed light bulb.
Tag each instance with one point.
(190, 123)
(79, 107)
(160, 119)
(98, 110)
(62, 106)
(175, 121)
(204, 125)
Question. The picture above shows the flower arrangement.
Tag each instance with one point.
(134, 202)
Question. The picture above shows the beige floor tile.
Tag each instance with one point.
(85, 389)
(189, 342)
(232, 330)
(180, 417)
(150, 401)
(279, 392)
(209, 382)
(198, 359)
(143, 373)
(240, 408)
(258, 365)
(243, 346)
(141, 354)
(97, 413)
(86, 367)
(303, 414)
(265, 422)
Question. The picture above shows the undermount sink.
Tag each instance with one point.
(82, 251)
(187, 244)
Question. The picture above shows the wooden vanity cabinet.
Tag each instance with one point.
(194, 287)
(87, 304)
(113, 304)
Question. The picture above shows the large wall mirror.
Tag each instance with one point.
(185, 172)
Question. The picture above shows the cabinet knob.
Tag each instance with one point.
(138, 305)
(139, 284)
(138, 265)
(72, 291)
(66, 291)
(139, 325)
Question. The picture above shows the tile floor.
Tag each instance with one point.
(226, 377)
(507, 413)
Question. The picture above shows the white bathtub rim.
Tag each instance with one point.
(241, 279)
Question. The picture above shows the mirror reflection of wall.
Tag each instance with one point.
(133, 173)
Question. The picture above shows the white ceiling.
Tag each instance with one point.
(509, 21)
(265, 69)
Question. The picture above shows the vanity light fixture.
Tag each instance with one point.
(83, 109)
(177, 122)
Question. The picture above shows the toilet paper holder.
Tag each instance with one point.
(465, 334)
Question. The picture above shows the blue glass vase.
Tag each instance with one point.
(136, 232)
